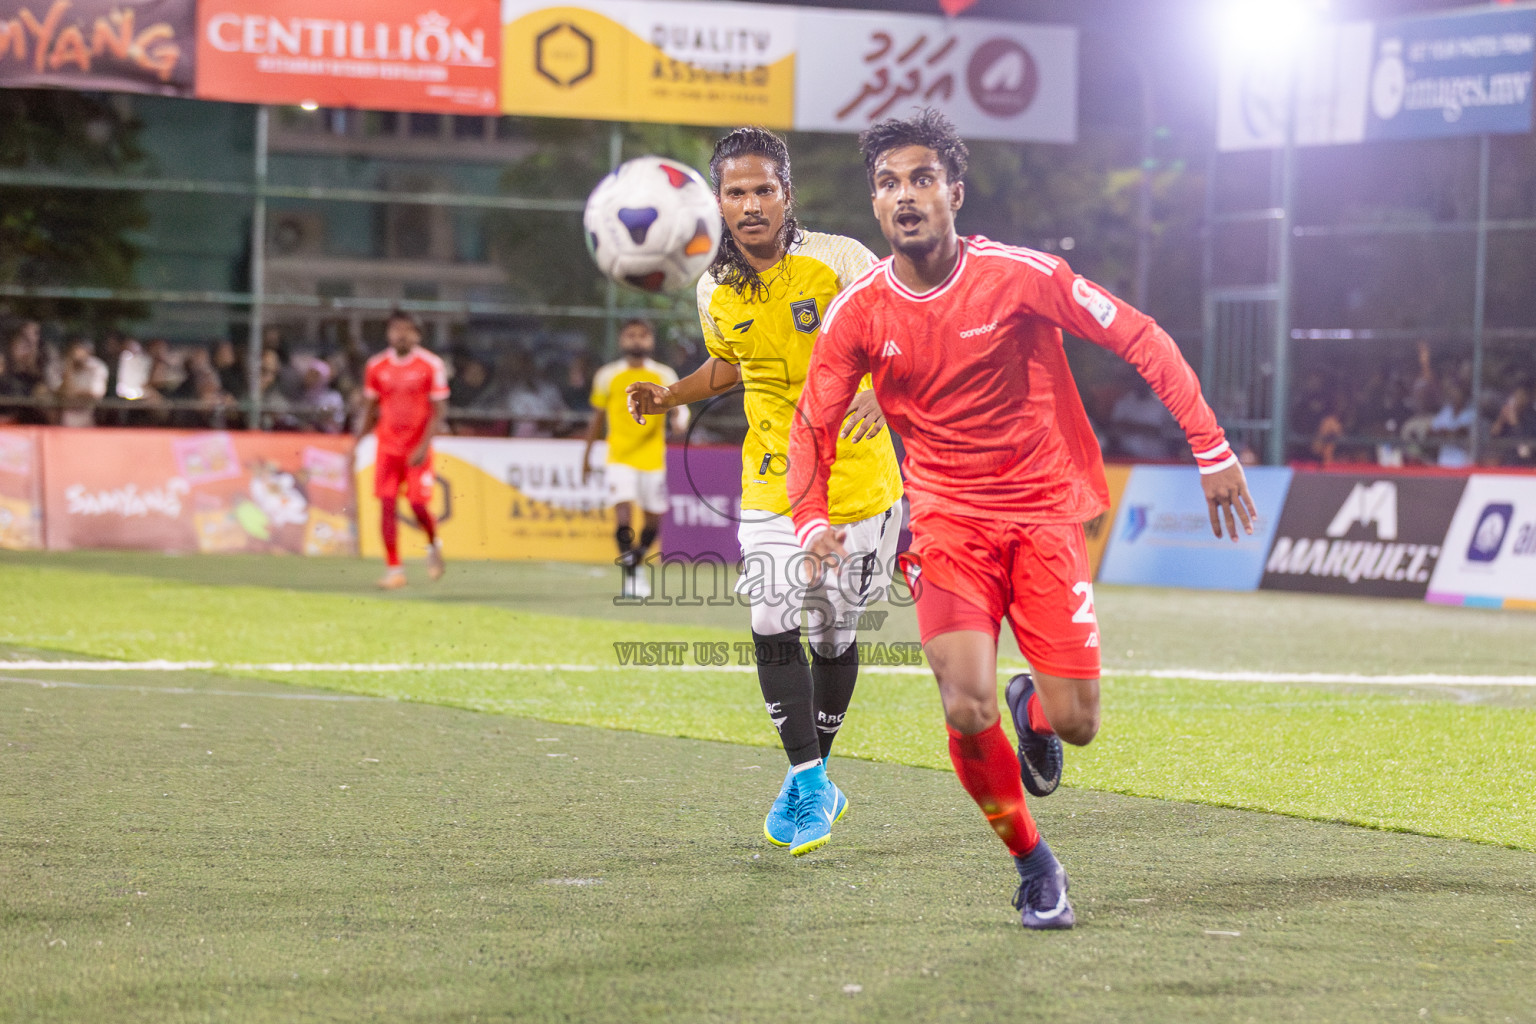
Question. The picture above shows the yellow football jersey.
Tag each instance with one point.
(630, 443)
(770, 339)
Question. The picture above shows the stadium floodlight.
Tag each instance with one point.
(309, 105)
(1266, 29)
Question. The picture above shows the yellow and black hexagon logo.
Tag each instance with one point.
(564, 54)
(806, 316)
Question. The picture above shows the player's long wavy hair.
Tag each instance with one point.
(730, 267)
(927, 128)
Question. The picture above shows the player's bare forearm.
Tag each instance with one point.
(714, 377)
(1227, 500)
(595, 428)
(826, 551)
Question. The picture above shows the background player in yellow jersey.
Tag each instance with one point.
(636, 470)
(761, 305)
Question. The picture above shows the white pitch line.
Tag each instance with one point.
(300, 667)
(54, 684)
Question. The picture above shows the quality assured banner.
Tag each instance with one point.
(786, 67)
(213, 492)
(426, 55)
(668, 62)
(501, 498)
(109, 45)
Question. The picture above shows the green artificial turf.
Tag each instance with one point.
(1396, 759)
(189, 847)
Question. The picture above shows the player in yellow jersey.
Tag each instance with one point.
(636, 471)
(761, 306)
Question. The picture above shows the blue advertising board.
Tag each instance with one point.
(1162, 536)
(1462, 74)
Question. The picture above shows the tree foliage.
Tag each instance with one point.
(68, 237)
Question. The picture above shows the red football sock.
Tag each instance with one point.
(425, 521)
(1037, 719)
(989, 771)
(389, 526)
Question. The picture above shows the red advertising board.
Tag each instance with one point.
(426, 55)
(21, 507)
(211, 492)
(117, 45)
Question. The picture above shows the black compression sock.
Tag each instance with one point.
(785, 679)
(832, 681)
(647, 538)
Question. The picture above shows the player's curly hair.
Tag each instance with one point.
(730, 267)
(926, 128)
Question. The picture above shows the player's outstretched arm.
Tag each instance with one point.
(1226, 490)
(714, 377)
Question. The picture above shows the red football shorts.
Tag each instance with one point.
(968, 573)
(391, 470)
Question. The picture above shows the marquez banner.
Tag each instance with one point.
(427, 55)
(786, 66)
(216, 492)
(1379, 536)
(116, 45)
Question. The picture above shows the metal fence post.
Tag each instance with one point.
(258, 275)
(1479, 292)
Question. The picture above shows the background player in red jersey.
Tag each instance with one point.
(962, 337)
(406, 388)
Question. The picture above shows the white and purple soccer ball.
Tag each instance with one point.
(652, 224)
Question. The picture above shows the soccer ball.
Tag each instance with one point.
(652, 224)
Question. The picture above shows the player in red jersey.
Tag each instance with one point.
(406, 388)
(962, 337)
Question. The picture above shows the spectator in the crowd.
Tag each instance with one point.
(10, 388)
(1139, 425)
(1514, 429)
(230, 367)
(276, 410)
(25, 371)
(576, 391)
(471, 385)
(289, 380)
(1452, 426)
(166, 371)
(82, 383)
(321, 407)
(533, 402)
(1338, 422)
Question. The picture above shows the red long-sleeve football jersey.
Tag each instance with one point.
(973, 376)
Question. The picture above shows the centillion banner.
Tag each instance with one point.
(669, 62)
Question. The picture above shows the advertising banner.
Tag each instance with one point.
(1467, 74)
(209, 492)
(669, 62)
(1490, 548)
(1097, 530)
(1376, 536)
(1408, 78)
(501, 498)
(21, 500)
(704, 485)
(109, 45)
(426, 55)
(994, 79)
(1162, 536)
(786, 66)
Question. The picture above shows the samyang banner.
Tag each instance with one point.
(423, 55)
(1376, 536)
(214, 492)
(108, 45)
(726, 63)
